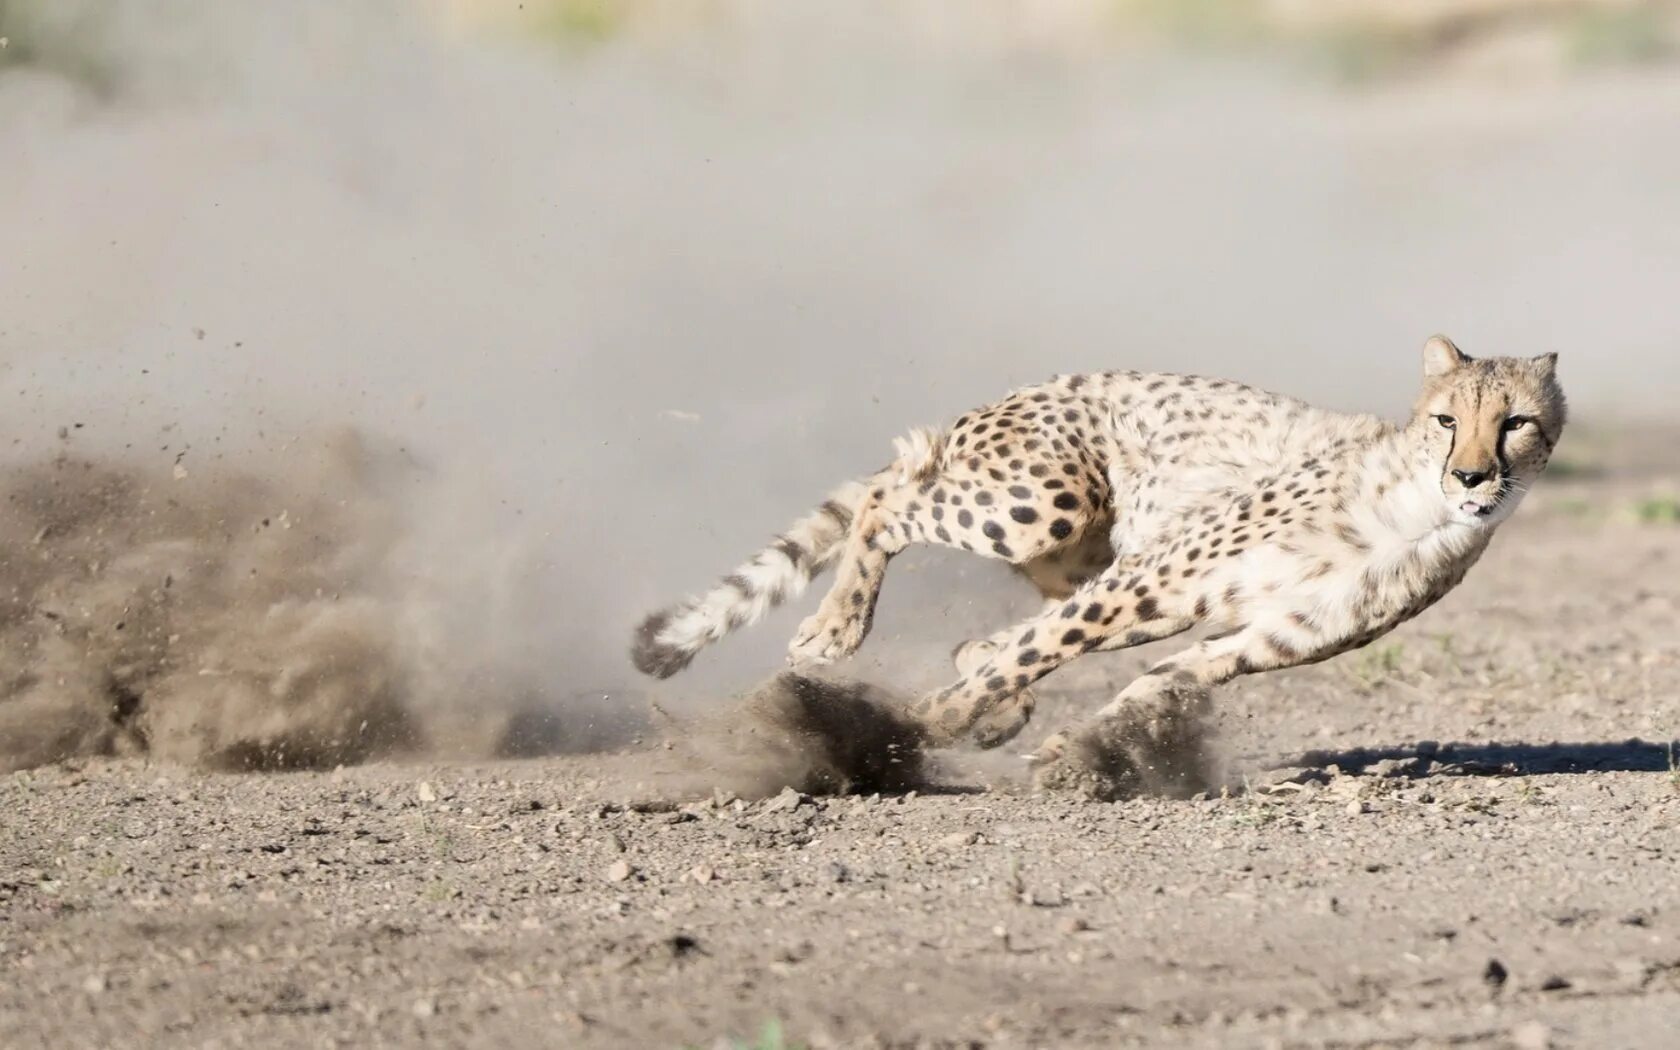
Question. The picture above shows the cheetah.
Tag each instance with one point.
(1143, 505)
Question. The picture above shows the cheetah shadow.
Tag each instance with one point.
(1429, 759)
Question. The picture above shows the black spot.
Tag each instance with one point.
(965, 518)
(992, 530)
(996, 684)
(1061, 528)
(943, 534)
(1148, 609)
(1024, 515)
(1002, 550)
(1066, 501)
(1073, 637)
(1093, 612)
(983, 498)
(1020, 492)
(1028, 657)
(938, 513)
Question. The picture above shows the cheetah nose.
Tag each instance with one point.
(1472, 478)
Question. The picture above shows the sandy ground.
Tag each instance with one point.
(1461, 847)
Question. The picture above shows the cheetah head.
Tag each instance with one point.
(1488, 426)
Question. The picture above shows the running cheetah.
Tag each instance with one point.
(1144, 504)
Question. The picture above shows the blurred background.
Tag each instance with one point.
(631, 283)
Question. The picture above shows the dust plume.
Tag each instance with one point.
(236, 620)
(1162, 745)
(816, 734)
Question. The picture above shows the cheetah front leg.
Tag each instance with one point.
(1112, 611)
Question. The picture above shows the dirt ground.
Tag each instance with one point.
(1465, 835)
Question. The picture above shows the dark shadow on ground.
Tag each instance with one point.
(1427, 758)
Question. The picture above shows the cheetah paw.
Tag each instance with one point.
(1004, 722)
(820, 640)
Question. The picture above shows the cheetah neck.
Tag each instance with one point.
(1399, 503)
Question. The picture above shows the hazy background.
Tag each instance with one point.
(633, 283)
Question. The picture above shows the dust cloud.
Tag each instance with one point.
(239, 621)
(631, 304)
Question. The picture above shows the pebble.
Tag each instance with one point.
(1357, 807)
(618, 871)
(788, 801)
(958, 839)
(425, 793)
(424, 1008)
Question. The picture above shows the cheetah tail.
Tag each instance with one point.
(668, 640)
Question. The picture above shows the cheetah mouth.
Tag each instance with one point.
(1477, 509)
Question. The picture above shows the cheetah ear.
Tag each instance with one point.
(1440, 356)
(1545, 364)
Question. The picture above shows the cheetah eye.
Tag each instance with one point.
(1447, 421)
(1515, 423)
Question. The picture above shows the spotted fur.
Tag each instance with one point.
(1143, 504)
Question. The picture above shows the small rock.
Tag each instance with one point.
(788, 801)
(1391, 767)
(618, 871)
(1554, 983)
(1357, 807)
(424, 1008)
(958, 839)
(1494, 974)
(1073, 925)
(95, 984)
(1292, 776)
(425, 793)
(701, 873)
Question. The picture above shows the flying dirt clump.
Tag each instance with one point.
(815, 735)
(1161, 746)
(224, 620)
